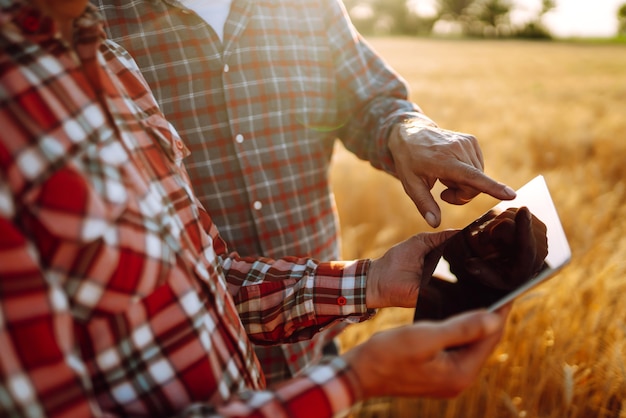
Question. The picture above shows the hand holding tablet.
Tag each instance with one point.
(510, 249)
(499, 250)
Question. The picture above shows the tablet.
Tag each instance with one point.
(510, 249)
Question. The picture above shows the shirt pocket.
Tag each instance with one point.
(301, 83)
(166, 136)
(311, 77)
(83, 194)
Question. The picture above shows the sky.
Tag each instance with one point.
(570, 18)
(580, 18)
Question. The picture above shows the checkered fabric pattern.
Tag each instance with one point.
(118, 296)
(260, 113)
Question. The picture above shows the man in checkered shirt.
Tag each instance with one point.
(259, 90)
(118, 296)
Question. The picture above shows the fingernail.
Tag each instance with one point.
(509, 192)
(430, 218)
(491, 322)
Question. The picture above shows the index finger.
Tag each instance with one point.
(463, 180)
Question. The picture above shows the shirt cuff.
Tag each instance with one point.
(340, 288)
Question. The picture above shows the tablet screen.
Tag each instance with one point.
(511, 248)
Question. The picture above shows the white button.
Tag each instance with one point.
(257, 205)
(239, 138)
(226, 68)
(185, 11)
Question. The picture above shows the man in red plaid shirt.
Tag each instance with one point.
(118, 296)
(259, 90)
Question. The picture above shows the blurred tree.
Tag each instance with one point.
(621, 19)
(388, 17)
(453, 9)
(490, 18)
(393, 14)
(547, 5)
(483, 18)
(535, 29)
(362, 15)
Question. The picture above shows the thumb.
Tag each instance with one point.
(435, 240)
(468, 328)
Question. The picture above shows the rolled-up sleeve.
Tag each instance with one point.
(291, 299)
(375, 96)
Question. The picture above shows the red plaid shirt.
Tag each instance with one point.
(117, 294)
(260, 113)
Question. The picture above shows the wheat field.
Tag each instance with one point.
(551, 108)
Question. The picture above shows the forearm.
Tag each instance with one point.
(367, 134)
(373, 98)
(291, 299)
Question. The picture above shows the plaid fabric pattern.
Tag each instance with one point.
(260, 113)
(118, 295)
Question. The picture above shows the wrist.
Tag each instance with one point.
(357, 374)
(402, 131)
(372, 289)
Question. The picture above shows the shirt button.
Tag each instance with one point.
(31, 24)
(257, 205)
(226, 68)
(341, 300)
(239, 138)
(179, 144)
